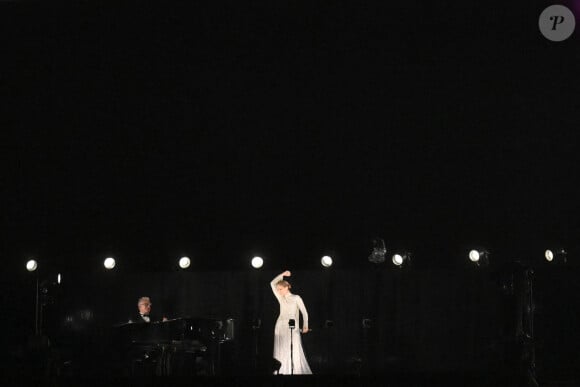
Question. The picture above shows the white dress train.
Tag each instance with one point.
(290, 307)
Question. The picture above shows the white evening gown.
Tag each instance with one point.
(290, 306)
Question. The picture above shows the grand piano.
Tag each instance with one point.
(181, 346)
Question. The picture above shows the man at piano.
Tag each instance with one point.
(145, 316)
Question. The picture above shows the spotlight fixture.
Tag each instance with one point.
(379, 251)
(257, 262)
(184, 262)
(31, 265)
(401, 259)
(58, 278)
(554, 256)
(109, 263)
(326, 261)
(479, 257)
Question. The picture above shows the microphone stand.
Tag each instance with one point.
(292, 325)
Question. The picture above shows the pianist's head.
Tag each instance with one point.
(144, 305)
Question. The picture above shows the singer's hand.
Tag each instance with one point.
(286, 273)
(305, 330)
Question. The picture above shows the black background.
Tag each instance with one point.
(288, 130)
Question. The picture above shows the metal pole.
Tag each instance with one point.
(36, 311)
(291, 352)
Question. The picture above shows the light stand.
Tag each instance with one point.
(518, 285)
(529, 355)
(292, 325)
(43, 299)
(38, 344)
(36, 309)
(256, 326)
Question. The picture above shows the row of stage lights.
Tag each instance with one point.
(479, 257)
(184, 262)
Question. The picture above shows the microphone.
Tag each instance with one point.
(292, 323)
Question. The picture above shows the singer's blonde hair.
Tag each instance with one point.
(284, 283)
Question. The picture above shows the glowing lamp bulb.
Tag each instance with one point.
(257, 262)
(184, 262)
(326, 261)
(31, 265)
(474, 256)
(109, 263)
(398, 259)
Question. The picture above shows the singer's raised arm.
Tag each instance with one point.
(273, 283)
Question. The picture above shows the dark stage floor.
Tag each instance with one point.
(408, 379)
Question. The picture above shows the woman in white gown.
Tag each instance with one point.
(290, 307)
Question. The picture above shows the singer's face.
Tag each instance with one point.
(282, 290)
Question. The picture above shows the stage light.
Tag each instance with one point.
(109, 263)
(31, 265)
(379, 251)
(367, 323)
(58, 278)
(326, 261)
(474, 256)
(558, 255)
(184, 262)
(257, 262)
(479, 257)
(400, 259)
